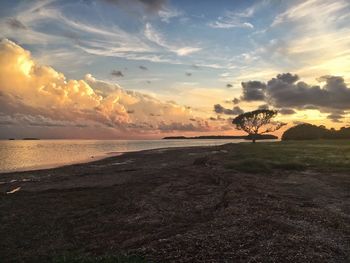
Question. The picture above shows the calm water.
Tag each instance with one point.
(26, 155)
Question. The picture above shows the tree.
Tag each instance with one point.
(257, 122)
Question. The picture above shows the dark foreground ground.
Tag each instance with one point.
(268, 202)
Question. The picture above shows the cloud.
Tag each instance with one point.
(184, 51)
(313, 27)
(304, 9)
(166, 14)
(253, 91)
(336, 116)
(229, 85)
(263, 107)
(287, 92)
(236, 101)
(15, 24)
(222, 110)
(233, 19)
(85, 36)
(157, 38)
(117, 73)
(177, 126)
(143, 67)
(227, 24)
(286, 111)
(46, 96)
(188, 74)
(150, 5)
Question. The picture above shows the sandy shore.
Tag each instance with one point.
(175, 205)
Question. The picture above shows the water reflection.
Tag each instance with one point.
(26, 155)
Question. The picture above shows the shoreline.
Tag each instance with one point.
(100, 156)
(88, 160)
(187, 204)
(56, 166)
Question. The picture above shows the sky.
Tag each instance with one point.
(137, 69)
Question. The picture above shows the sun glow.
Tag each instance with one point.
(25, 65)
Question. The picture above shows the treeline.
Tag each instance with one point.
(223, 137)
(308, 131)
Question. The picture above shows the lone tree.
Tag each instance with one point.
(257, 122)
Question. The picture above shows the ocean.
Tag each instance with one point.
(22, 155)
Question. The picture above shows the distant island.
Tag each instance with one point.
(308, 131)
(221, 137)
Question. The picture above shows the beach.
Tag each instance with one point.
(230, 203)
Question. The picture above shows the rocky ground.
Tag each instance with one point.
(178, 205)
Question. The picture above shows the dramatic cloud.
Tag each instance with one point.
(222, 110)
(253, 91)
(284, 91)
(46, 96)
(336, 116)
(287, 92)
(117, 73)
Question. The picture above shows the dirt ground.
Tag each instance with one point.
(175, 205)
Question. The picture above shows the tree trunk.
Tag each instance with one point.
(253, 138)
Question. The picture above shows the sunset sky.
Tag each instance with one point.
(150, 68)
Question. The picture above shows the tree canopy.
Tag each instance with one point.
(257, 122)
(308, 131)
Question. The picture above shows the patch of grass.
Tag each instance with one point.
(74, 258)
(249, 166)
(288, 166)
(327, 156)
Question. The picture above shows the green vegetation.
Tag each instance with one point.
(307, 131)
(257, 123)
(223, 137)
(321, 155)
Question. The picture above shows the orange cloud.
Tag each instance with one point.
(36, 90)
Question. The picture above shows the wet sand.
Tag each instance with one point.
(175, 205)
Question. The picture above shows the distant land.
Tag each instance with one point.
(30, 139)
(221, 137)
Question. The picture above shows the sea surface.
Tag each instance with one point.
(22, 155)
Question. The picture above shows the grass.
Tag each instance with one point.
(323, 155)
